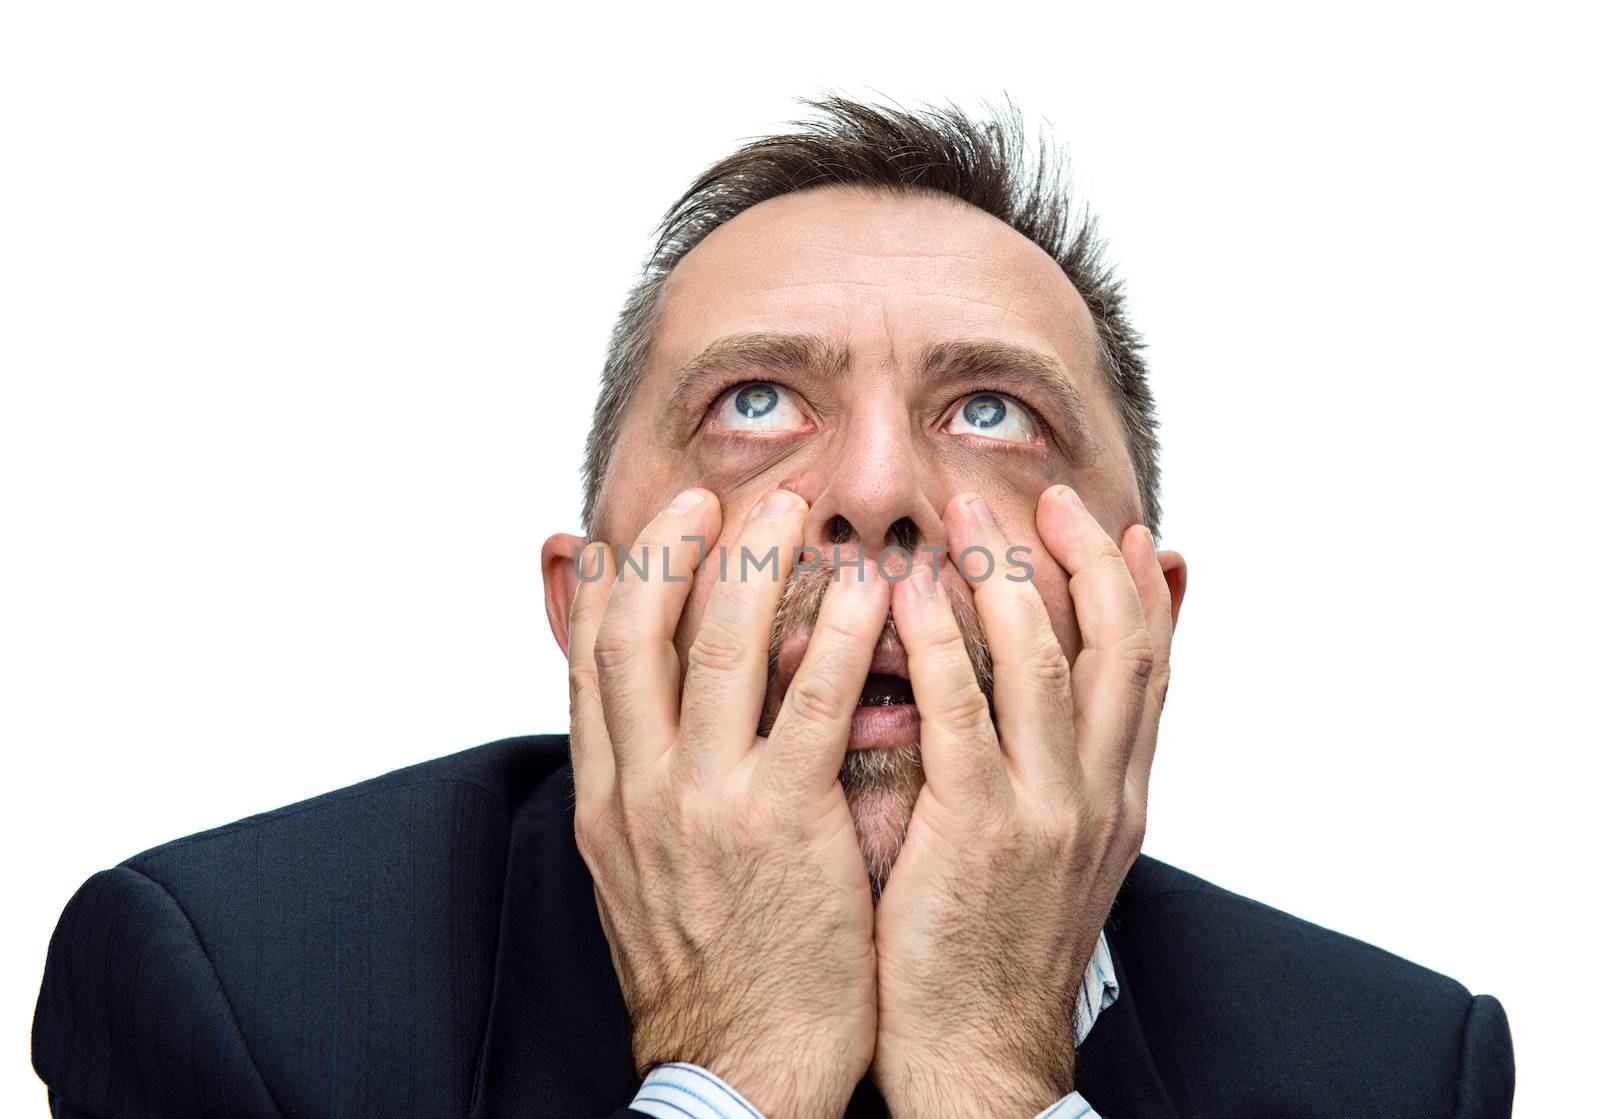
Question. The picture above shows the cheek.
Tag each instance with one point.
(740, 471)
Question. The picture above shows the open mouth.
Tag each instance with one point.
(883, 689)
(886, 712)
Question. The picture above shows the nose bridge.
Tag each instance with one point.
(876, 494)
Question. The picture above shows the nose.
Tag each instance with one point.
(876, 495)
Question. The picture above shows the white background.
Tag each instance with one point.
(301, 309)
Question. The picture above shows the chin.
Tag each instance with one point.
(881, 787)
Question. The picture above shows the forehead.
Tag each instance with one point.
(883, 275)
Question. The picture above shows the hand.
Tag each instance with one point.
(1023, 833)
(727, 871)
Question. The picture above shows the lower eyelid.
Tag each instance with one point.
(803, 425)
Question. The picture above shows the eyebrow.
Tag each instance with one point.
(995, 363)
(770, 353)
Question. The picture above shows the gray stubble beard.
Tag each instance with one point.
(881, 786)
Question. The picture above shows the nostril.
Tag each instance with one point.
(904, 533)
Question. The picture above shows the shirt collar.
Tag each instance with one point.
(1099, 990)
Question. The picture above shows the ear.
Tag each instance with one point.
(558, 561)
(1175, 569)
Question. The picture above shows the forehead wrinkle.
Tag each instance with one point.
(999, 362)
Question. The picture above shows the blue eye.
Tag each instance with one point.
(759, 406)
(984, 411)
(754, 401)
(995, 417)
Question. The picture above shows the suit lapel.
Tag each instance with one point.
(557, 1039)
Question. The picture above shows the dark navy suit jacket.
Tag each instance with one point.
(426, 944)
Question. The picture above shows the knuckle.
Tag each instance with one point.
(613, 645)
(1159, 680)
(582, 679)
(591, 826)
(642, 562)
(1099, 817)
(988, 827)
(1004, 836)
(814, 699)
(946, 642)
(638, 807)
(1057, 815)
(1047, 664)
(1106, 554)
(717, 648)
(1137, 654)
(695, 813)
(648, 839)
(835, 629)
(1133, 829)
(758, 821)
(946, 649)
(965, 711)
(1055, 799)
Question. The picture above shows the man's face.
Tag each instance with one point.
(877, 355)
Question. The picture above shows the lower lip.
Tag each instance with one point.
(879, 728)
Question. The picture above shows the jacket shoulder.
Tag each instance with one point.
(1223, 982)
(310, 935)
(504, 772)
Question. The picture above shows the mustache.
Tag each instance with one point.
(801, 603)
(881, 786)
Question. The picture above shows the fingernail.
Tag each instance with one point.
(922, 580)
(1071, 497)
(688, 499)
(980, 509)
(778, 503)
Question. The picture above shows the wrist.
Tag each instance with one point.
(792, 1088)
(971, 1088)
(779, 1080)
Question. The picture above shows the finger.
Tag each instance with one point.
(1032, 679)
(725, 686)
(1145, 566)
(634, 651)
(592, 766)
(1112, 671)
(812, 731)
(960, 752)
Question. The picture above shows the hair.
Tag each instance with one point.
(986, 164)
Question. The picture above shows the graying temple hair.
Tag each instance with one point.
(984, 163)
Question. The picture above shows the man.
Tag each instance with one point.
(869, 641)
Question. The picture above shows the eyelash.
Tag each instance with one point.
(716, 396)
(1046, 432)
(725, 385)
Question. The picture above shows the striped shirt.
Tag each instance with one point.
(684, 1091)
